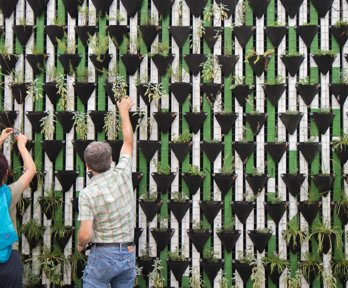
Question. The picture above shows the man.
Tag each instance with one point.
(107, 212)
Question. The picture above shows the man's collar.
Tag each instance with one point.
(100, 175)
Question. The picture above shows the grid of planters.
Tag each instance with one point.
(235, 163)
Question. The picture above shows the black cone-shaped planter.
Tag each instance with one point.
(196, 6)
(292, 63)
(274, 92)
(242, 209)
(293, 182)
(229, 238)
(259, 7)
(162, 63)
(324, 183)
(137, 233)
(323, 120)
(163, 6)
(309, 210)
(210, 35)
(84, 91)
(7, 118)
(342, 153)
(116, 146)
(211, 90)
(164, 182)
(66, 120)
(132, 62)
(102, 6)
(72, 6)
(23, 33)
(212, 149)
(292, 7)
(322, 6)
(66, 178)
(340, 91)
(274, 275)
(309, 150)
(62, 240)
(162, 238)
(7, 7)
(150, 208)
(34, 241)
(149, 33)
(55, 32)
(198, 238)
(195, 120)
(241, 93)
(224, 182)
(8, 63)
(179, 209)
(19, 91)
(328, 242)
(80, 147)
(132, 6)
(117, 33)
(259, 239)
(136, 178)
(226, 120)
(276, 34)
(37, 62)
(181, 90)
(255, 121)
(291, 121)
(180, 150)
(324, 62)
(135, 118)
(35, 118)
(38, 6)
(307, 33)
(108, 90)
(244, 270)
(243, 34)
(276, 150)
(100, 63)
(276, 211)
(307, 92)
(180, 34)
(258, 64)
(244, 149)
(98, 119)
(257, 182)
(52, 148)
(178, 268)
(164, 120)
(229, 5)
(85, 32)
(193, 182)
(227, 63)
(141, 91)
(69, 62)
(194, 62)
(210, 209)
(146, 265)
(212, 268)
(340, 34)
(342, 212)
(149, 148)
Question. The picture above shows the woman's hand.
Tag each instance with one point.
(4, 134)
(22, 140)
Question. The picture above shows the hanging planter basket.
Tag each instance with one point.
(342, 153)
(69, 62)
(55, 32)
(342, 212)
(324, 183)
(259, 239)
(210, 209)
(229, 238)
(292, 7)
(141, 91)
(211, 35)
(137, 233)
(226, 120)
(211, 90)
(7, 118)
(117, 33)
(84, 91)
(291, 121)
(256, 121)
(164, 182)
(102, 6)
(162, 63)
(292, 63)
(162, 238)
(276, 34)
(322, 6)
(34, 241)
(276, 211)
(244, 149)
(241, 92)
(8, 7)
(65, 118)
(178, 267)
(132, 62)
(34, 118)
(52, 148)
(62, 240)
(72, 6)
(323, 120)
(37, 62)
(194, 62)
(132, 6)
(98, 120)
(181, 91)
(307, 33)
(276, 150)
(199, 238)
(196, 6)
(101, 62)
(38, 6)
(324, 62)
(80, 147)
(274, 275)
(227, 63)
(150, 208)
(242, 209)
(108, 90)
(193, 182)
(195, 120)
(149, 148)
(85, 33)
(180, 150)
(244, 269)
(135, 118)
(116, 146)
(212, 149)
(224, 182)
(258, 64)
(259, 7)
(66, 178)
(274, 92)
(309, 210)
(293, 183)
(164, 120)
(136, 178)
(146, 265)
(23, 33)
(340, 91)
(8, 63)
(243, 34)
(307, 92)
(163, 7)
(180, 34)
(309, 150)
(341, 34)
(19, 91)
(212, 268)
(149, 34)
(257, 182)
(179, 209)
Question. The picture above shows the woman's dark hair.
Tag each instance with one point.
(3, 167)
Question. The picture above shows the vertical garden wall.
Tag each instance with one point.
(241, 125)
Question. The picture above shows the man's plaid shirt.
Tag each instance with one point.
(109, 201)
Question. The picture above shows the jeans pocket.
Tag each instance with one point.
(131, 266)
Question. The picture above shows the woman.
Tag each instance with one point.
(11, 268)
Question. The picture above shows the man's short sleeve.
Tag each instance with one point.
(125, 164)
(85, 208)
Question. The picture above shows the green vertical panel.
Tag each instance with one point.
(101, 100)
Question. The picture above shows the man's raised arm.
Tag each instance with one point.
(124, 107)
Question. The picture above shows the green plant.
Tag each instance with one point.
(22, 205)
(176, 255)
(35, 91)
(321, 52)
(246, 257)
(66, 45)
(161, 48)
(198, 226)
(294, 281)
(32, 229)
(112, 125)
(30, 279)
(276, 24)
(65, 100)
(276, 81)
(242, 11)
(340, 266)
(138, 274)
(119, 87)
(58, 229)
(82, 75)
(341, 206)
(155, 92)
(324, 231)
(251, 53)
(306, 81)
(275, 262)
(194, 170)
(264, 230)
(341, 144)
(155, 276)
(226, 226)
(76, 260)
(149, 197)
(184, 137)
(343, 79)
(100, 45)
(162, 168)
(179, 197)
(292, 54)
(47, 125)
(341, 23)
(329, 280)
(195, 280)
(80, 123)
(4, 50)
(310, 264)
(216, 10)
(51, 201)
(145, 253)
(210, 255)
(293, 234)
(209, 68)
(258, 275)
(273, 198)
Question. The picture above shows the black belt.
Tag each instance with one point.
(113, 244)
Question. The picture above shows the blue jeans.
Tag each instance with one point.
(109, 265)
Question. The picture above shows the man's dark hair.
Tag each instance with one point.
(98, 156)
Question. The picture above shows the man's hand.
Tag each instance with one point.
(80, 248)
(5, 133)
(22, 140)
(125, 104)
